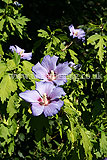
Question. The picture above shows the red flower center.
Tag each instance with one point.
(44, 100)
(76, 33)
(51, 75)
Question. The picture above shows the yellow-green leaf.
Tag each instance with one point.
(11, 107)
(7, 86)
(2, 69)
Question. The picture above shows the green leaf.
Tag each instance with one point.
(2, 69)
(55, 40)
(69, 109)
(63, 37)
(11, 106)
(16, 58)
(11, 148)
(7, 86)
(100, 51)
(1, 51)
(2, 11)
(101, 43)
(22, 20)
(93, 38)
(11, 64)
(49, 46)
(20, 154)
(20, 29)
(71, 134)
(13, 126)
(61, 54)
(105, 78)
(7, 1)
(105, 37)
(11, 20)
(4, 132)
(21, 136)
(86, 144)
(1, 24)
(103, 144)
(27, 70)
(21, 86)
(43, 33)
(72, 53)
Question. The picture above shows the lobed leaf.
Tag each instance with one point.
(7, 86)
(4, 132)
(1, 24)
(2, 68)
(27, 70)
(86, 144)
(93, 38)
(73, 56)
(11, 106)
(43, 33)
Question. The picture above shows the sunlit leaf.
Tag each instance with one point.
(7, 86)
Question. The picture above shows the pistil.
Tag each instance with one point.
(44, 98)
(20, 52)
(76, 33)
(51, 75)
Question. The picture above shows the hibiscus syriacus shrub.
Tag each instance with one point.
(54, 108)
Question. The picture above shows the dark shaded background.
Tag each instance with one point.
(57, 14)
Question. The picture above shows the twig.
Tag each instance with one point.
(66, 46)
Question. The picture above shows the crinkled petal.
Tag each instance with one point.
(61, 80)
(78, 67)
(17, 4)
(12, 48)
(63, 69)
(27, 56)
(71, 64)
(57, 93)
(71, 28)
(49, 63)
(39, 71)
(44, 87)
(53, 108)
(30, 96)
(18, 49)
(37, 109)
(81, 32)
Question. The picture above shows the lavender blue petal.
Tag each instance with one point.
(57, 93)
(17, 4)
(39, 71)
(71, 64)
(30, 96)
(71, 28)
(53, 108)
(78, 67)
(49, 63)
(61, 80)
(27, 56)
(18, 49)
(12, 48)
(44, 87)
(37, 109)
(63, 69)
(79, 33)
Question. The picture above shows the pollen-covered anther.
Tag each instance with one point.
(45, 100)
(21, 52)
(76, 33)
